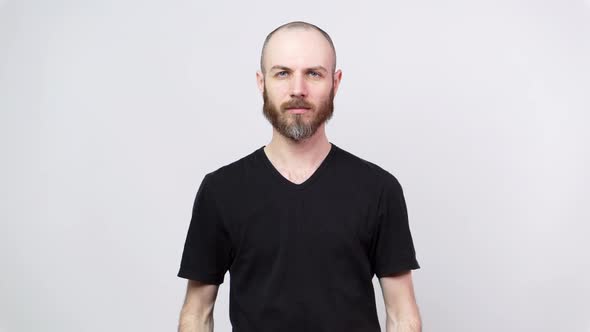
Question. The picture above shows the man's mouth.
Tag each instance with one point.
(297, 110)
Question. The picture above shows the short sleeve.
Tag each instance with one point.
(392, 248)
(207, 249)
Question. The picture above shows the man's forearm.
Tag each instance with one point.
(192, 323)
(403, 325)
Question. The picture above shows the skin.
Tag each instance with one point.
(299, 70)
(298, 66)
(402, 313)
(197, 310)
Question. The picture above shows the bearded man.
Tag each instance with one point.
(301, 224)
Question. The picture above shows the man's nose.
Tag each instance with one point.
(298, 86)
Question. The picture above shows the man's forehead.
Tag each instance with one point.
(299, 46)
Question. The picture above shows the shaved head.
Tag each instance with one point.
(296, 25)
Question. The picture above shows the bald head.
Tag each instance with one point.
(292, 26)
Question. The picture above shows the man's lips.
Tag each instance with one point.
(297, 110)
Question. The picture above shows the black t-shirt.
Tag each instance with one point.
(301, 257)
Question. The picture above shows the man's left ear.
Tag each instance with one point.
(337, 79)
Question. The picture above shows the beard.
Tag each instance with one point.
(296, 126)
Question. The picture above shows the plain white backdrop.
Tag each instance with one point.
(111, 113)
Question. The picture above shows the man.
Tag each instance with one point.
(301, 224)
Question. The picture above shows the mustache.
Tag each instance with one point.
(296, 103)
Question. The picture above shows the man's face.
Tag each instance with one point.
(299, 84)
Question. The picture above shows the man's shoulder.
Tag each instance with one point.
(362, 167)
(234, 170)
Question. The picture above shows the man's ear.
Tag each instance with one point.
(337, 79)
(260, 81)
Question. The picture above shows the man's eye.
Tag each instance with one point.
(282, 73)
(314, 74)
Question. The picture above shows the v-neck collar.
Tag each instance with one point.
(276, 174)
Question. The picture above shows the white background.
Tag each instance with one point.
(111, 112)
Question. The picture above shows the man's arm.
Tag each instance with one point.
(197, 311)
(400, 303)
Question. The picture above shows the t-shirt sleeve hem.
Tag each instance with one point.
(206, 278)
(388, 270)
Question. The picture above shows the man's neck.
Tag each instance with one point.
(298, 158)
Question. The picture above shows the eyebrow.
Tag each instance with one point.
(318, 68)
